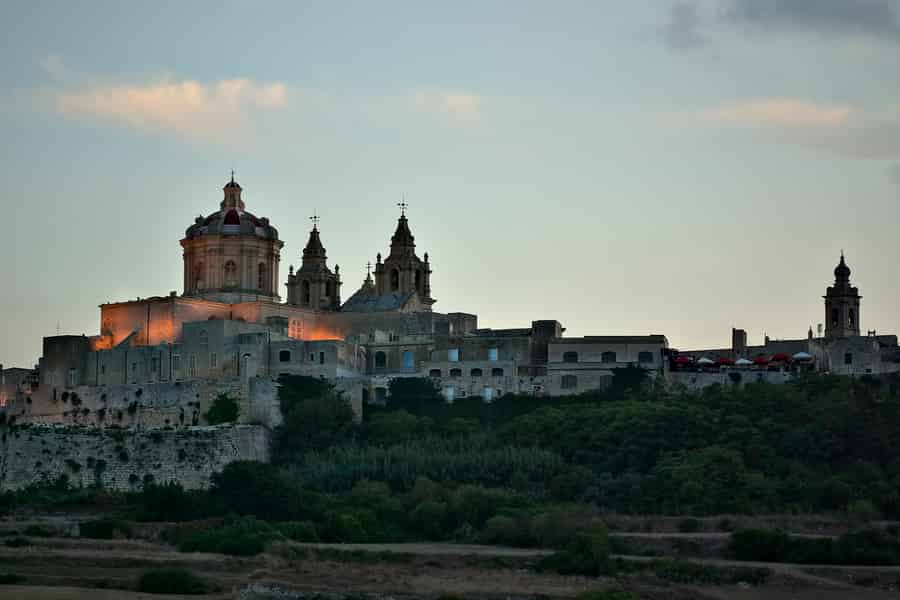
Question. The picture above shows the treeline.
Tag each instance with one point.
(815, 445)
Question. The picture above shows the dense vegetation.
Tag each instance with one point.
(530, 471)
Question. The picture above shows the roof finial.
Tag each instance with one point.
(315, 219)
(232, 176)
(403, 205)
(368, 269)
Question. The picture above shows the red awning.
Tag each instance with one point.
(683, 360)
(722, 360)
(760, 360)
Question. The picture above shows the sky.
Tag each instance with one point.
(652, 166)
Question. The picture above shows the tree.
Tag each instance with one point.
(224, 409)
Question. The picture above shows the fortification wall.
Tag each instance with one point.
(122, 459)
(178, 404)
(700, 380)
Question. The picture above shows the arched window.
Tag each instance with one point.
(434, 373)
(835, 317)
(419, 281)
(569, 382)
(408, 360)
(851, 318)
(305, 292)
(262, 283)
(848, 358)
(329, 288)
(231, 274)
(198, 277)
(203, 337)
(570, 357)
(455, 372)
(395, 280)
(284, 356)
(496, 372)
(645, 357)
(380, 360)
(608, 357)
(475, 372)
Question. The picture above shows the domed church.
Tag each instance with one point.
(232, 255)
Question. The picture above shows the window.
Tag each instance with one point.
(395, 280)
(608, 357)
(306, 294)
(835, 317)
(493, 354)
(434, 373)
(455, 372)
(321, 358)
(154, 364)
(204, 338)
(380, 360)
(848, 358)
(198, 276)
(645, 357)
(192, 365)
(569, 382)
(213, 361)
(133, 368)
(453, 355)
(103, 369)
(262, 283)
(231, 274)
(496, 372)
(419, 281)
(176, 362)
(570, 357)
(284, 356)
(475, 373)
(312, 357)
(380, 395)
(71, 377)
(408, 360)
(851, 318)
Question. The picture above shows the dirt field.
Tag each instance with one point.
(65, 568)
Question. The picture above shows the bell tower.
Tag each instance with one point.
(403, 272)
(842, 304)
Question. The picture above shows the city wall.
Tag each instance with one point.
(123, 459)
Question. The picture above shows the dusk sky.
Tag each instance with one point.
(622, 167)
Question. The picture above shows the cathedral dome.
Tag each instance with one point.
(232, 219)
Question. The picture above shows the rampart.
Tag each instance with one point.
(123, 459)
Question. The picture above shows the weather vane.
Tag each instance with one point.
(315, 219)
(403, 206)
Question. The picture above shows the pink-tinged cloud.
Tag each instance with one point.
(459, 105)
(781, 112)
(186, 107)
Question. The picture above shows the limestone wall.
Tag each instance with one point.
(700, 380)
(122, 459)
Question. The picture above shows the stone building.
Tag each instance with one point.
(229, 332)
(842, 350)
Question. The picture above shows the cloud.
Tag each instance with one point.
(682, 30)
(780, 112)
(185, 107)
(53, 66)
(877, 18)
(458, 105)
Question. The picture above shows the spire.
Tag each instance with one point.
(403, 238)
(314, 250)
(232, 197)
(842, 271)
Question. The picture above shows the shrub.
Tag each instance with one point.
(430, 519)
(171, 581)
(104, 529)
(11, 579)
(762, 545)
(16, 542)
(224, 409)
(37, 531)
(299, 531)
(587, 554)
(243, 537)
(689, 525)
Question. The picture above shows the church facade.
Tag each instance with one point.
(229, 327)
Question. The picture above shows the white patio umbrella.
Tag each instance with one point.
(743, 362)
